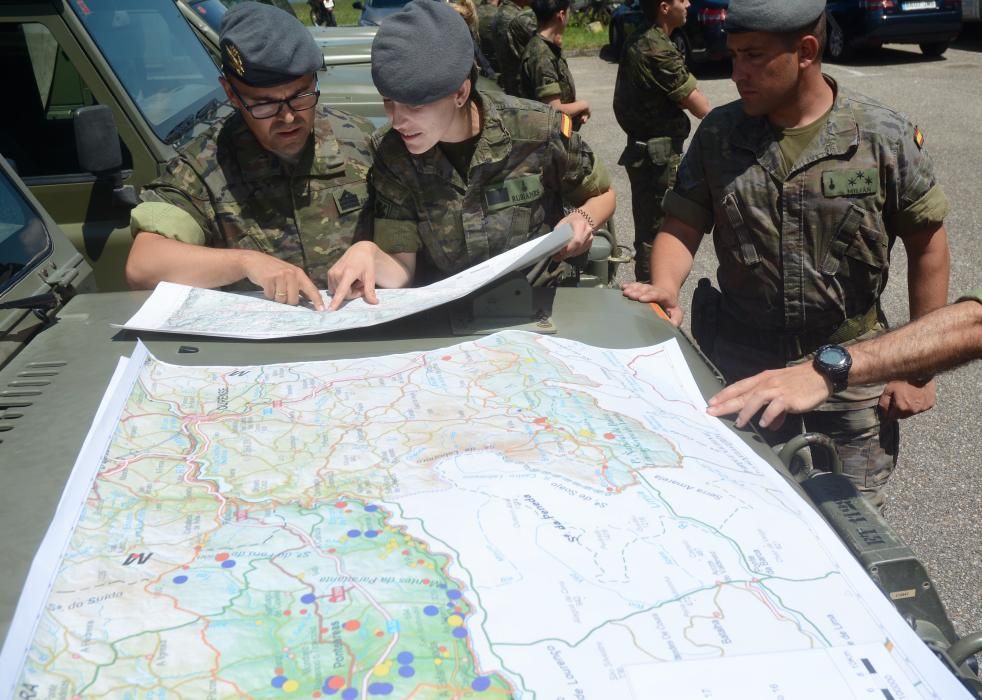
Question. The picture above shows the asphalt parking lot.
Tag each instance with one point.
(935, 500)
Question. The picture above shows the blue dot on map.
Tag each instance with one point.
(481, 683)
(228, 563)
(459, 632)
(431, 610)
(371, 533)
(407, 671)
(308, 598)
(349, 694)
(453, 594)
(354, 533)
(405, 657)
(380, 689)
(278, 681)
(371, 508)
(180, 579)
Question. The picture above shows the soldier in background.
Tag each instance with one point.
(544, 74)
(462, 175)
(653, 91)
(487, 12)
(514, 26)
(273, 195)
(805, 186)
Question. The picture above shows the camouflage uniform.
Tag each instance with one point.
(225, 191)
(527, 164)
(486, 14)
(803, 257)
(544, 73)
(513, 29)
(651, 82)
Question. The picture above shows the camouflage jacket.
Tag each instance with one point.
(544, 73)
(241, 196)
(808, 251)
(651, 81)
(527, 164)
(514, 28)
(486, 15)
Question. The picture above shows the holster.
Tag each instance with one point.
(634, 154)
(706, 301)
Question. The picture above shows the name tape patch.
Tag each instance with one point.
(846, 183)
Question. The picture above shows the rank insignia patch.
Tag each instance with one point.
(347, 201)
(918, 137)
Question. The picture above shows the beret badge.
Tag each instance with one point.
(234, 58)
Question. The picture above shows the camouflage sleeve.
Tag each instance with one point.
(691, 200)
(520, 30)
(919, 202)
(665, 70)
(583, 174)
(176, 205)
(539, 75)
(396, 225)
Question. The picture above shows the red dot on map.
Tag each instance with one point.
(221, 556)
(278, 670)
(323, 630)
(420, 561)
(341, 504)
(185, 567)
(303, 611)
(610, 488)
(286, 612)
(379, 633)
(351, 625)
(445, 357)
(405, 552)
(426, 582)
(332, 550)
(609, 436)
(315, 694)
(540, 420)
(335, 682)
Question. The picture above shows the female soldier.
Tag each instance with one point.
(461, 175)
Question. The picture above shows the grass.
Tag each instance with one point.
(577, 36)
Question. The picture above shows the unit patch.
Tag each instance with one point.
(846, 183)
(918, 137)
(518, 190)
(567, 125)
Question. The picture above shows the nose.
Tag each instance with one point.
(397, 115)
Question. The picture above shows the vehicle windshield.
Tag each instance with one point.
(24, 240)
(211, 11)
(162, 65)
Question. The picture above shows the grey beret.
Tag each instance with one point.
(774, 16)
(263, 45)
(422, 53)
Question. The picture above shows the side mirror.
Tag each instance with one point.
(357, 5)
(97, 146)
(97, 140)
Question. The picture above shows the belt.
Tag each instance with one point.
(678, 143)
(796, 344)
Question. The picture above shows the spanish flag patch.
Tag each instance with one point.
(918, 137)
(567, 125)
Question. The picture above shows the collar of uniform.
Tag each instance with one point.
(839, 136)
(327, 152)
(554, 47)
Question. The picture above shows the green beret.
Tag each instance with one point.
(772, 16)
(263, 46)
(422, 53)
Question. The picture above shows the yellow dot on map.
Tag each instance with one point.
(586, 433)
(259, 622)
(455, 620)
(382, 669)
(445, 653)
(290, 686)
(437, 661)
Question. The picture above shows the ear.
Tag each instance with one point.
(463, 92)
(808, 51)
(229, 94)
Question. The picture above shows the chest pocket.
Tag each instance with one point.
(857, 241)
(736, 233)
(514, 211)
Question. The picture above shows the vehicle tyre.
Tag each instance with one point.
(682, 44)
(934, 49)
(836, 47)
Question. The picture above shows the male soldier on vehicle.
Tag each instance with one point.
(487, 13)
(653, 90)
(806, 186)
(544, 74)
(514, 26)
(276, 193)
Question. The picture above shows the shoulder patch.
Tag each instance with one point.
(918, 137)
(566, 127)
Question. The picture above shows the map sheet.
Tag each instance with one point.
(178, 308)
(519, 516)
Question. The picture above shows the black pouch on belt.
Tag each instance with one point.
(705, 314)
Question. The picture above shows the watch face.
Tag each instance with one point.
(832, 356)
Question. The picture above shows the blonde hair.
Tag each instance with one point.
(468, 11)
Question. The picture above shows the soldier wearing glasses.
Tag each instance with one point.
(275, 193)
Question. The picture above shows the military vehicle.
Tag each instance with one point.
(49, 393)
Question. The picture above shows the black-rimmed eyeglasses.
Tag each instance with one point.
(267, 110)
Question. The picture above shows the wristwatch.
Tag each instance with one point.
(833, 362)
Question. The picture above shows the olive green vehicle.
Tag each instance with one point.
(156, 84)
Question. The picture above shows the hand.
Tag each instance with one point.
(648, 294)
(796, 389)
(281, 281)
(902, 399)
(582, 236)
(584, 116)
(353, 275)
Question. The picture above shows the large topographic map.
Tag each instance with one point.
(517, 517)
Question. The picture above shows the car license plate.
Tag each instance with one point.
(918, 5)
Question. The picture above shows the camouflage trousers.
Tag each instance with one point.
(867, 445)
(649, 183)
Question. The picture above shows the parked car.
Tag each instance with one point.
(374, 11)
(970, 11)
(852, 24)
(702, 38)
